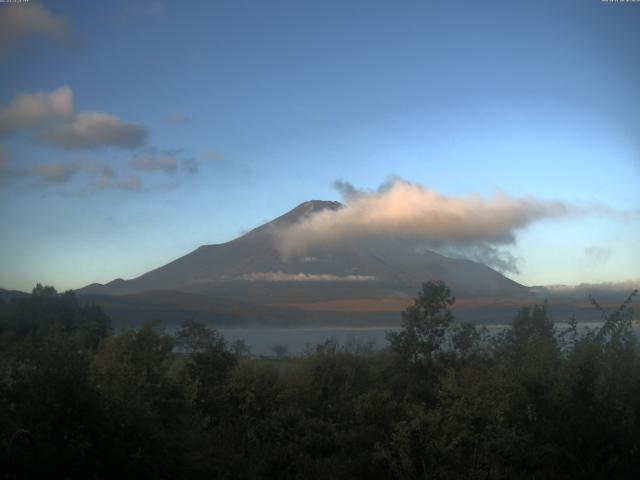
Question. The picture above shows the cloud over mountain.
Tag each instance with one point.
(401, 209)
(302, 277)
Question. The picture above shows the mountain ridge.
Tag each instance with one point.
(251, 269)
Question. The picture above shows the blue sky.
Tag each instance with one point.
(162, 126)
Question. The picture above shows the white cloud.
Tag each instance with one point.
(481, 252)
(29, 110)
(400, 209)
(95, 130)
(302, 277)
(404, 209)
(622, 286)
(19, 21)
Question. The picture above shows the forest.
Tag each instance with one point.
(445, 400)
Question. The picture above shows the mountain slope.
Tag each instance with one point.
(7, 295)
(251, 269)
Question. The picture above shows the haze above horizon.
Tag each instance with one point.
(133, 132)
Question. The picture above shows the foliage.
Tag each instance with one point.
(445, 400)
(425, 323)
(280, 350)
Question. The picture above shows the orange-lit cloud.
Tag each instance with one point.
(401, 209)
(29, 110)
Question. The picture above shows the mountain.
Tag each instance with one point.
(349, 279)
(7, 295)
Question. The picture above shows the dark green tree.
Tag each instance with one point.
(144, 407)
(208, 366)
(425, 323)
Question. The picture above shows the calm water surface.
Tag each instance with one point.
(296, 340)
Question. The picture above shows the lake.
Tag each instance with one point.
(296, 340)
(262, 340)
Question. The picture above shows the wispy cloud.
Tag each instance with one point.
(4, 156)
(482, 252)
(54, 172)
(106, 179)
(178, 118)
(52, 116)
(170, 161)
(621, 286)
(30, 110)
(346, 189)
(596, 256)
(94, 175)
(7, 172)
(193, 165)
(103, 177)
(212, 155)
(98, 177)
(612, 293)
(50, 173)
(302, 277)
(20, 21)
(152, 159)
(401, 209)
(51, 119)
(90, 130)
(130, 182)
(141, 9)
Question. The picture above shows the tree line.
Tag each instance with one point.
(444, 400)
